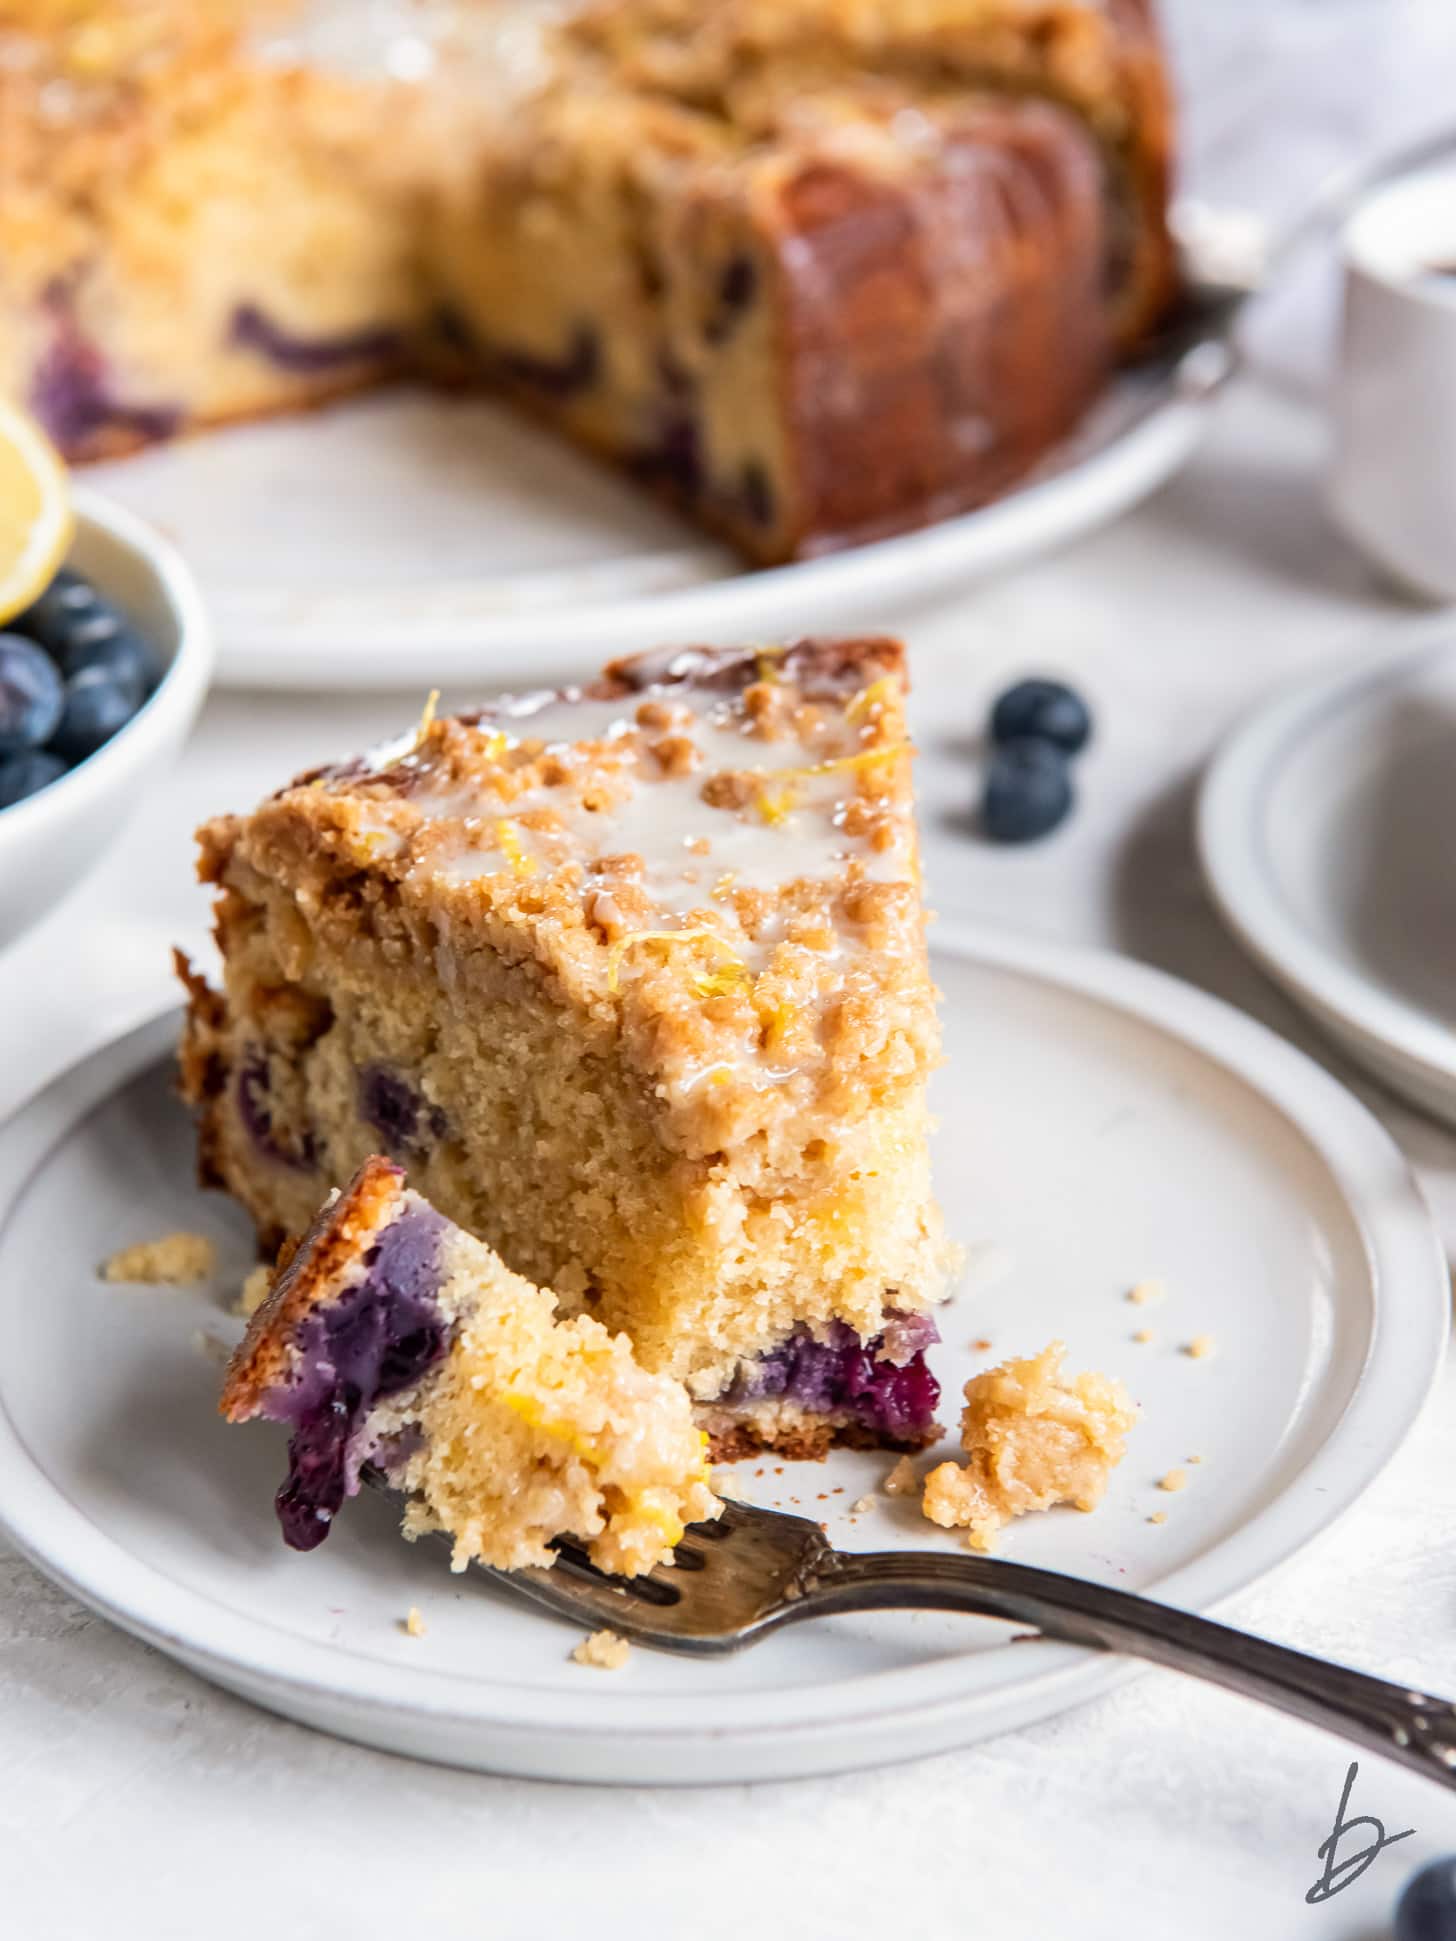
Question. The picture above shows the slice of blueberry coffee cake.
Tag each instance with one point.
(633, 977)
(395, 1339)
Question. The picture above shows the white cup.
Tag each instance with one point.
(1392, 486)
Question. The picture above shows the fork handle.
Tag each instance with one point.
(1414, 1728)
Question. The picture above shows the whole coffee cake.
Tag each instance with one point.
(816, 270)
(633, 978)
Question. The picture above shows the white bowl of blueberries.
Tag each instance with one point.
(100, 679)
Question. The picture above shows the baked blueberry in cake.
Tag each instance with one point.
(632, 977)
(816, 270)
(394, 1339)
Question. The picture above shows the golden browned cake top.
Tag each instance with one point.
(1089, 51)
(710, 853)
(85, 86)
(760, 66)
(94, 91)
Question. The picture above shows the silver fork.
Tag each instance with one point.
(754, 1570)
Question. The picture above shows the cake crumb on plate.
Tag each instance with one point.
(1158, 1516)
(1144, 1293)
(901, 1479)
(1199, 1347)
(1143, 1336)
(254, 1291)
(1033, 1438)
(174, 1260)
(1175, 1480)
(604, 1649)
(412, 1623)
(862, 1507)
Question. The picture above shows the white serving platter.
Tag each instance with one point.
(414, 539)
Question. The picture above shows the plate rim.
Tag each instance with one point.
(881, 575)
(1233, 800)
(945, 1701)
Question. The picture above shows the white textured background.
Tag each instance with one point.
(135, 1801)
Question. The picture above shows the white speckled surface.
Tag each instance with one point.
(135, 1801)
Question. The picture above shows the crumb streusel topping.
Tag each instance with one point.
(715, 854)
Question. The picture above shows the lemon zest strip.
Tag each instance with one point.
(509, 843)
(695, 935)
(533, 1413)
(427, 719)
(875, 695)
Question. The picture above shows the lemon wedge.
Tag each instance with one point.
(36, 521)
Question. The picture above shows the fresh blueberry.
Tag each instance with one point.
(68, 602)
(1028, 791)
(74, 624)
(30, 695)
(96, 705)
(1045, 709)
(1426, 1911)
(120, 653)
(27, 773)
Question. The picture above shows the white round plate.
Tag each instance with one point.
(1325, 828)
(409, 540)
(1101, 1125)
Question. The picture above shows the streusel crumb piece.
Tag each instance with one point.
(414, 1624)
(254, 1291)
(1034, 1439)
(174, 1260)
(604, 1649)
(901, 1479)
(862, 1507)
(1175, 1480)
(1200, 1347)
(1145, 1293)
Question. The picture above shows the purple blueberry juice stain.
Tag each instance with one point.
(737, 288)
(557, 377)
(844, 1374)
(71, 391)
(672, 454)
(756, 493)
(407, 1123)
(252, 328)
(253, 1091)
(378, 1339)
